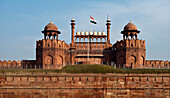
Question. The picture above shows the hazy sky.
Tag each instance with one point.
(21, 23)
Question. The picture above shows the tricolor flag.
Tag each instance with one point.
(92, 20)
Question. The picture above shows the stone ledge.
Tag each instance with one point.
(77, 88)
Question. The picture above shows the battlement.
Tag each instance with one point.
(52, 43)
(86, 33)
(10, 64)
(157, 64)
(90, 36)
(131, 43)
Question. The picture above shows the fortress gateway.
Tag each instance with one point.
(89, 48)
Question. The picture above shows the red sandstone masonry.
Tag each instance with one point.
(113, 85)
(85, 80)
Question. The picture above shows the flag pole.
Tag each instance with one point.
(88, 44)
(88, 49)
(94, 22)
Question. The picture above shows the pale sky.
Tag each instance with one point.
(21, 23)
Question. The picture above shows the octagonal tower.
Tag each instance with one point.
(130, 52)
(50, 51)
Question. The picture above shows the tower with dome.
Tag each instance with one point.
(130, 50)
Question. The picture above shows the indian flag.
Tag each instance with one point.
(92, 20)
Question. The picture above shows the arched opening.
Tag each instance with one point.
(59, 60)
(81, 46)
(126, 35)
(86, 39)
(152, 65)
(141, 60)
(132, 60)
(135, 36)
(131, 35)
(48, 60)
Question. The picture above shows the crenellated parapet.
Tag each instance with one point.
(10, 64)
(156, 64)
(135, 43)
(49, 43)
(130, 43)
(98, 36)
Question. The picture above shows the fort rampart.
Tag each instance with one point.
(85, 80)
(31, 64)
(116, 84)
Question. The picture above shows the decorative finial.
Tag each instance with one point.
(72, 20)
(130, 21)
(108, 20)
(51, 21)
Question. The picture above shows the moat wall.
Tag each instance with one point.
(76, 84)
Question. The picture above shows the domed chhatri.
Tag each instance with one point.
(130, 30)
(51, 27)
(51, 31)
(130, 26)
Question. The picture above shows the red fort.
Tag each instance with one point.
(89, 47)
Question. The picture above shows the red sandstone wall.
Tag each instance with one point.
(113, 85)
(157, 64)
(10, 64)
(85, 81)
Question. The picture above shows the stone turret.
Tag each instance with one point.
(130, 52)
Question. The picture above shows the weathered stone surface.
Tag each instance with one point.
(112, 85)
(9, 78)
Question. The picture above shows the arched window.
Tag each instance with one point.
(48, 60)
(152, 65)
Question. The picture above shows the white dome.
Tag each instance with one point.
(91, 33)
(99, 33)
(82, 33)
(86, 33)
(95, 33)
(103, 33)
(78, 33)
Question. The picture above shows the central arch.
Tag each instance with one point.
(132, 60)
(48, 60)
